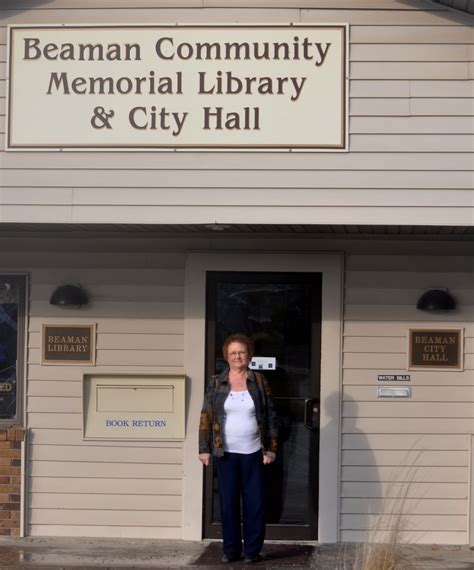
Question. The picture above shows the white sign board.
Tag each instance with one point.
(144, 87)
(263, 363)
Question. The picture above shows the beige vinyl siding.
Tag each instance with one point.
(471, 493)
(132, 279)
(410, 121)
(369, 490)
(417, 447)
(410, 162)
(90, 488)
(117, 4)
(87, 488)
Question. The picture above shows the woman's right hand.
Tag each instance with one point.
(205, 458)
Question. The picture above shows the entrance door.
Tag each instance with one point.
(281, 312)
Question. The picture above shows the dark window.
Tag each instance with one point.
(12, 323)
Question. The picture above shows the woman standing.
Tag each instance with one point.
(238, 427)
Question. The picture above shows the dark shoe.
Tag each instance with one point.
(230, 558)
(253, 559)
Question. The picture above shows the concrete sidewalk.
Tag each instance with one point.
(86, 553)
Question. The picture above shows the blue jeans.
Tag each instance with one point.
(239, 476)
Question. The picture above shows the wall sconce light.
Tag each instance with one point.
(69, 295)
(436, 300)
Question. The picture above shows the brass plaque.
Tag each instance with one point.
(435, 348)
(68, 344)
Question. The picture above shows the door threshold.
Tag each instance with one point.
(307, 542)
(273, 541)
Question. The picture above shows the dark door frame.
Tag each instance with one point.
(281, 532)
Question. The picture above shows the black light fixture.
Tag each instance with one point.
(436, 300)
(69, 295)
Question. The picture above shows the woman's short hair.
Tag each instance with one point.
(242, 339)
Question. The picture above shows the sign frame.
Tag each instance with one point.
(459, 367)
(93, 334)
(342, 146)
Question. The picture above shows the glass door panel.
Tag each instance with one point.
(281, 313)
(11, 337)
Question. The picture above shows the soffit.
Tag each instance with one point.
(457, 233)
(461, 5)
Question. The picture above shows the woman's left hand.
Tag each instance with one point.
(268, 457)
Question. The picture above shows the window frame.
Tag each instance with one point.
(20, 281)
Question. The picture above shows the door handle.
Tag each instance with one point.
(311, 407)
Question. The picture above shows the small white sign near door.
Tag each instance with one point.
(263, 363)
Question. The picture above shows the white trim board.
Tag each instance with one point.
(331, 267)
(471, 491)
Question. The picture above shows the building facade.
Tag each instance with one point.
(321, 254)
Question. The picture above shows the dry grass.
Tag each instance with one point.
(383, 549)
(380, 556)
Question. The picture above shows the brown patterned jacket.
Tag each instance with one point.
(212, 413)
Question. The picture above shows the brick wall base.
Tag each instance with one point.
(10, 480)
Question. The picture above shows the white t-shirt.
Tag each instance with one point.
(240, 424)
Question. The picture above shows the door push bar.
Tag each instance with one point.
(311, 409)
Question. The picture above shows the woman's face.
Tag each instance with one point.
(237, 355)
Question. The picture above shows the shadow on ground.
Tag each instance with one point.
(277, 555)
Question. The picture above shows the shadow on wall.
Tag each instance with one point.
(361, 491)
(380, 488)
(13, 7)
